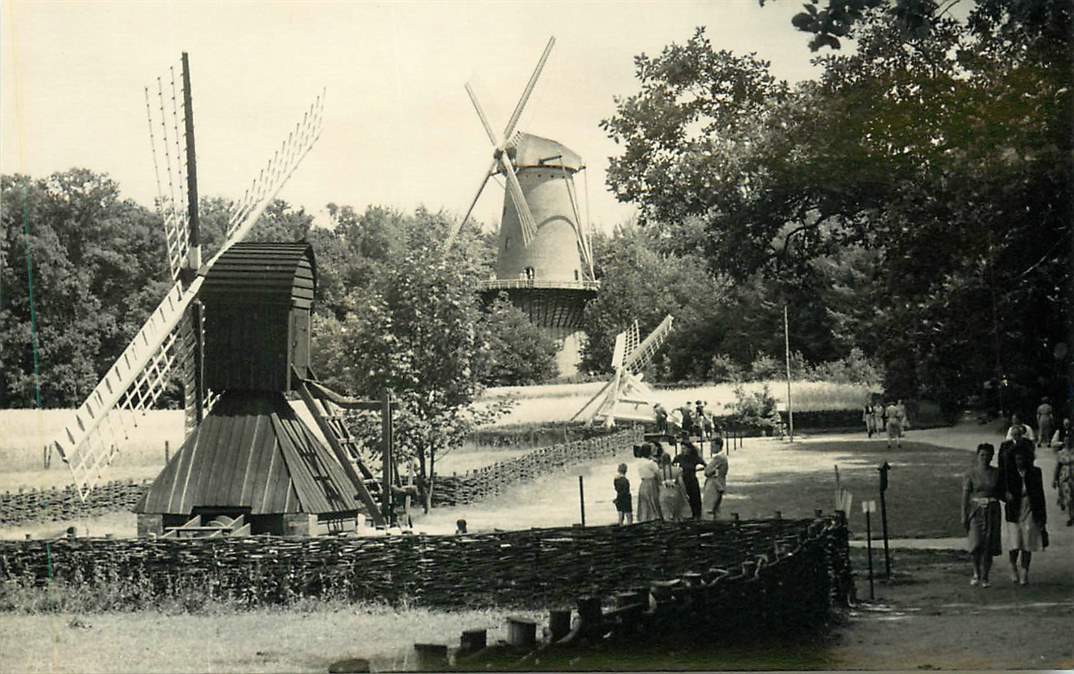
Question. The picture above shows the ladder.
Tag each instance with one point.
(329, 419)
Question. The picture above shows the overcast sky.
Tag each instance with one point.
(399, 129)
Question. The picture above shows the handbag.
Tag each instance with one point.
(1044, 537)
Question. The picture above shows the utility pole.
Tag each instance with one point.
(787, 355)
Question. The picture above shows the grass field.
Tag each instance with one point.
(24, 433)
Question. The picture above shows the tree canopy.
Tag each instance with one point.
(946, 150)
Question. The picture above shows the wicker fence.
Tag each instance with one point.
(532, 568)
(64, 504)
(477, 485)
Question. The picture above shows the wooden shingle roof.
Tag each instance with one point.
(265, 273)
(252, 451)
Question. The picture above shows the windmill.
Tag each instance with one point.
(236, 328)
(544, 259)
(626, 396)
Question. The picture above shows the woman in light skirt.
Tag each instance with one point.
(1026, 515)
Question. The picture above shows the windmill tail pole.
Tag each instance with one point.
(590, 401)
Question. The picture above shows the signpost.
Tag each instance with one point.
(869, 507)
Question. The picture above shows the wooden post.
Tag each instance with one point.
(167, 451)
(581, 497)
(787, 346)
(869, 548)
(884, 517)
(386, 456)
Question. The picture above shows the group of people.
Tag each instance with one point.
(1014, 486)
(891, 417)
(668, 488)
(692, 419)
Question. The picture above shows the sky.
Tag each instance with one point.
(399, 129)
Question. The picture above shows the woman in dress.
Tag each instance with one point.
(980, 513)
(1063, 481)
(672, 494)
(1026, 515)
(648, 490)
(689, 461)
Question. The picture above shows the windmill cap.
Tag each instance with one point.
(529, 151)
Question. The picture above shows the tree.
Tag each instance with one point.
(519, 354)
(946, 151)
(98, 269)
(413, 331)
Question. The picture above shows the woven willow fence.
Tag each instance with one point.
(64, 504)
(480, 484)
(532, 568)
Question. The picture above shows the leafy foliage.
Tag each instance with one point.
(518, 354)
(931, 165)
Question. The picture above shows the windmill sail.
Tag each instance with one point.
(626, 396)
(166, 341)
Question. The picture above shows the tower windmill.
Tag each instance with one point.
(237, 330)
(544, 260)
(626, 396)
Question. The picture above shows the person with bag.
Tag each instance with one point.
(1026, 516)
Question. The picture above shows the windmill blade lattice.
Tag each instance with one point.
(133, 383)
(272, 178)
(166, 115)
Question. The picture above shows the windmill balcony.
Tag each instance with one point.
(514, 284)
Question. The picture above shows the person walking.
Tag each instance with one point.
(1059, 438)
(878, 417)
(1008, 448)
(623, 502)
(1063, 480)
(1026, 516)
(894, 424)
(648, 489)
(689, 461)
(1045, 421)
(869, 418)
(672, 497)
(980, 514)
(715, 480)
(1016, 423)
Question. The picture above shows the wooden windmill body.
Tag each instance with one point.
(236, 328)
(544, 260)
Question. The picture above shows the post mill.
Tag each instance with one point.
(544, 260)
(237, 329)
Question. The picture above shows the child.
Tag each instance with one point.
(622, 496)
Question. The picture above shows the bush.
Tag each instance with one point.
(756, 410)
(854, 368)
(765, 367)
(723, 368)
